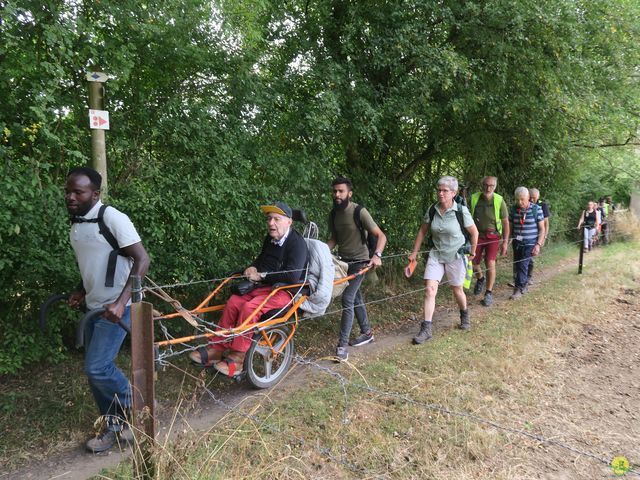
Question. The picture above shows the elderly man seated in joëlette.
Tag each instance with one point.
(282, 260)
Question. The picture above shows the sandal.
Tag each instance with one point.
(206, 356)
(231, 366)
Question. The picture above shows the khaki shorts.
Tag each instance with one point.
(455, 270)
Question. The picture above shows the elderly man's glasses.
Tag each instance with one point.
(489, 184)
(444, 190)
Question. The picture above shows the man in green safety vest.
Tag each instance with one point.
(491, 216)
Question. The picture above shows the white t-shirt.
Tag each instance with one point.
(92, 253)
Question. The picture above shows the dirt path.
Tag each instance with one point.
(597, 358)
(592, 400)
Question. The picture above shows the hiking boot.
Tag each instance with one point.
(516, 294)
(530, 282)
(342, 354)
(126, 434)
(511, 284)
(465, 323)
(424, 334)
(477, 290)
(104, 441)
(487, 301)
(362, 339)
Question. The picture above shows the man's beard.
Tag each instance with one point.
(341, 205)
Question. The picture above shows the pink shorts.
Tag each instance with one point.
(488, 245)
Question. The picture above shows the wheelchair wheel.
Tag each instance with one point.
(263, 368)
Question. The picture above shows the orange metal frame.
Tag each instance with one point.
(247, 323)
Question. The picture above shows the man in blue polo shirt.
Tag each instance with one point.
(527, 231)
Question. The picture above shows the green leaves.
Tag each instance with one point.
(218, 108)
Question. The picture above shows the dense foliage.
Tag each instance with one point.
(217, 107)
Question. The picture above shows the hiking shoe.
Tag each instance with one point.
(104, 441)
(465, 323)
(511, 284)
(362, 339)
(126, 434)
(530, 282)
(477, 290)
(516, 294)
(424, 334)
(487, 301)
(342, 354)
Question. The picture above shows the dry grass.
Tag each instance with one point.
(512, 369)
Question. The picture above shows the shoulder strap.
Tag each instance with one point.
(460, 217)
(357, 212)
(432, 213)
(535, 208)
(104, 230)
(113, 256)
(332, 223)
(474, 201)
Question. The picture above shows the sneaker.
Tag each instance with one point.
(477, 290)
(362, 339)
(516, 294)
(104, 441)
(465, 323)
(530, 282)
(511, 284)
(342, 354)
(424, 334)
(487, 301)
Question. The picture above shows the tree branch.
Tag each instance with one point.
(606, 145)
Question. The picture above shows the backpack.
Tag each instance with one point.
(466, 248)
(106, 233)
(368, 239)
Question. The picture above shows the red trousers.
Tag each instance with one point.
(238, 308)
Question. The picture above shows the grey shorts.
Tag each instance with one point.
(455, 270)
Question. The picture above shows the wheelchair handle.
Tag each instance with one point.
(44, 309)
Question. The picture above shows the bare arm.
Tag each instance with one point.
(382, 241)
(538, 245)
(506, 231)
(473, 232)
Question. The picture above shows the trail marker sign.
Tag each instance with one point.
(99, 119)
(97, 77)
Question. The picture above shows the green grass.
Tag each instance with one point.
(48, 408)
(497, 364)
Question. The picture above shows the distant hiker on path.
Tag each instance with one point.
(491, 216)
(527, 231)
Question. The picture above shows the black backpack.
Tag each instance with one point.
(368, 239)
(106, 233)
(466, 248)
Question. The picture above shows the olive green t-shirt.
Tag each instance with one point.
(347, 235)
(485, 217)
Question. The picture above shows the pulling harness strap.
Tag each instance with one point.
(108, 236)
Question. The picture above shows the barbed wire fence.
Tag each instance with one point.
(345, 383)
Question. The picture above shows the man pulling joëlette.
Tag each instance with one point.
(104, 285)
